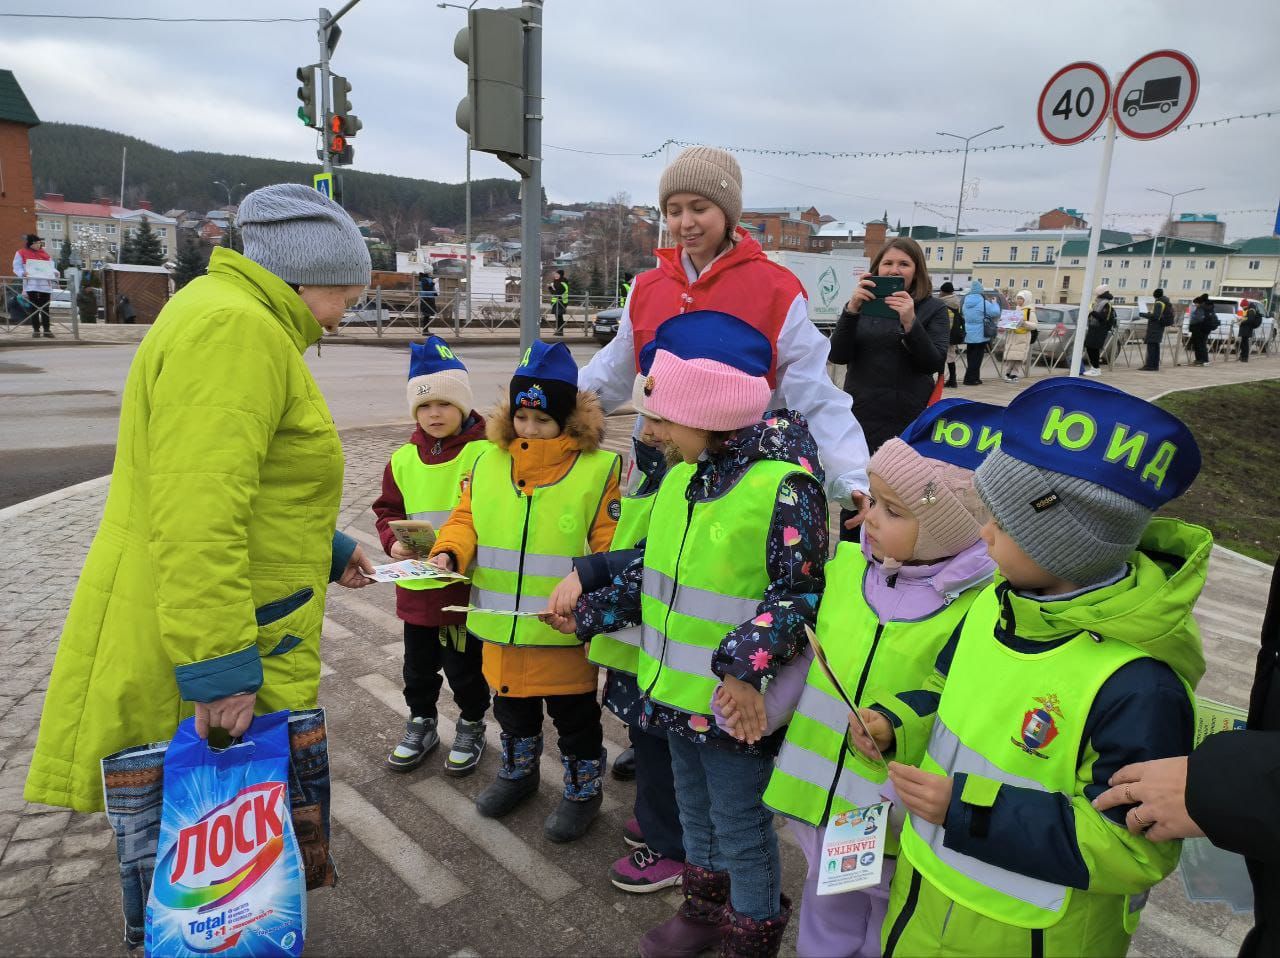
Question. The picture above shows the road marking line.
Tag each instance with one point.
(1191, 938)
(365, 539)
(550, 770)
(426, 877)
(326, 669)
(504, 846)
(380, 619)
(336, 630)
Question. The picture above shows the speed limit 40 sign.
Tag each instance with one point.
(1074, 103)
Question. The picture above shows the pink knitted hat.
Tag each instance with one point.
(940, 496)
(704, 394)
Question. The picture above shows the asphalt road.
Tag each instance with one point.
(61, 404)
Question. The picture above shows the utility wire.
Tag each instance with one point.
(95, 16)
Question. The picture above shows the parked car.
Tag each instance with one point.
(605, 326)
(1055, 324)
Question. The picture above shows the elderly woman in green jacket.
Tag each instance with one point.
(203, 591)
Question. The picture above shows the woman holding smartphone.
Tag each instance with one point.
(892, 360)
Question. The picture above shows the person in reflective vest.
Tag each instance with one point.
(559, 290)
(730, 577)
(624, 289)
(1081, 659)
(424, 481)
(544, 493)
(656, 859)
(891, 603)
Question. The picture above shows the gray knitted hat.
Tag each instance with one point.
(1084, 538)
(303, 237)
(709, 172)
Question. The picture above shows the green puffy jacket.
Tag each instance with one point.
(208, 572)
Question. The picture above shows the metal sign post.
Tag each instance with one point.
(1095, 241)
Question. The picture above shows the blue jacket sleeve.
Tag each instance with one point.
(343, 548)
(597, 570)
(795, 558)
(1142, 712)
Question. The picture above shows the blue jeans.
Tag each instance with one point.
(133, 782)
(726, 825)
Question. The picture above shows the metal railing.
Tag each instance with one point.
(19, 312)
(384, 309)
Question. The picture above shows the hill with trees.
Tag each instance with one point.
(83, 163)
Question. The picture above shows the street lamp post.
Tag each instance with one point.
(1172, 196)
(467, 261)
(228, 239)
(964, 169)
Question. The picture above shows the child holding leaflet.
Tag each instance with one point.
(542, 494)
(424, 480)
(730, 577)
(891, 603)
(1081, 659)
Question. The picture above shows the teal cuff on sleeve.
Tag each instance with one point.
(343, 548)
(217, 678)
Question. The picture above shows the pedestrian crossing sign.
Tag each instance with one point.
(323, 182)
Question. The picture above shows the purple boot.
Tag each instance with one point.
(700, 922)
(747, 938)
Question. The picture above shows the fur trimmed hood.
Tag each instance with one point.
(584, 427)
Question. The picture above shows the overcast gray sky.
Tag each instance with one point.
(624, 77)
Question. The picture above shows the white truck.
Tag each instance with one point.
(828, 280)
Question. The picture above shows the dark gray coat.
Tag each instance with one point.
(1160, 317)
(890, 374)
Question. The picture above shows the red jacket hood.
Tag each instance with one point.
(434, 451)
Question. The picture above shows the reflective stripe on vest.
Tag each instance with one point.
(526, 543)
(1018, 719)
(618, 650)
(704, 576)
(895, 656)
(431, 490)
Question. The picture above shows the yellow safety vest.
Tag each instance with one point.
(525, 542)
(619, 650)
(431, 490)
(704, 575)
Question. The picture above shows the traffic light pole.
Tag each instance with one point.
(531, 199)
(323, 34)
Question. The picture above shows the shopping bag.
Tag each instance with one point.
(228, 876)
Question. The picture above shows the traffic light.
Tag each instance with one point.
(492, 112)
(351, 124)
(307, 96)
(336, 142)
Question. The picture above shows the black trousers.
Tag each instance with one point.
(1244, 348)
(557, 310)
(1200, 346)
(1095, 356)
(40, 313)
(656, 809)
(1153, 356)
(576, 717)
(973, 356)
(424, 657)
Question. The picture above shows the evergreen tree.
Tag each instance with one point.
(64, 256)
(143, 247)
(595, 286)
(191, 262)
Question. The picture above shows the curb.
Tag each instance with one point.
(30, 505)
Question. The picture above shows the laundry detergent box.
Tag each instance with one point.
(228, 877)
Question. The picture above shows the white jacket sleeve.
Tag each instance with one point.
(612, 372)
(803, 385)
(19, 267)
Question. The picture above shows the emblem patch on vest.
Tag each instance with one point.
(615, 509)
(1038, 727)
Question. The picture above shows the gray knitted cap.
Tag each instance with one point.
(1075, 529)
(303, 237)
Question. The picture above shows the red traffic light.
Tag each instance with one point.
(335, 123)
(337, 143)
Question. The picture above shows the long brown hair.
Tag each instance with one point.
(921, 287)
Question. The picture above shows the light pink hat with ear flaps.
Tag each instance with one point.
(940, 496)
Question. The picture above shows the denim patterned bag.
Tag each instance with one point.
(133, 784)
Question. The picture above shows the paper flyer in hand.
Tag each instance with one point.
(853, 849)
(412, 569)
(1214, 717)
(472, 608)
(821, 658)
(417, 534)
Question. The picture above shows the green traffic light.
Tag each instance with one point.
(302, 115)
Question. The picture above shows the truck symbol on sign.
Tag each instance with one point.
(1160, 94)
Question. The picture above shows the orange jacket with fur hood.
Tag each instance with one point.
(524, 671)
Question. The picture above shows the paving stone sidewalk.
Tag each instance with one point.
(420, 873)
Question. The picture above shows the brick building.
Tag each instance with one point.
(1062, 219)
(782, 227)
(17, 192)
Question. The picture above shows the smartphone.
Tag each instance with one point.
(883, 286)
